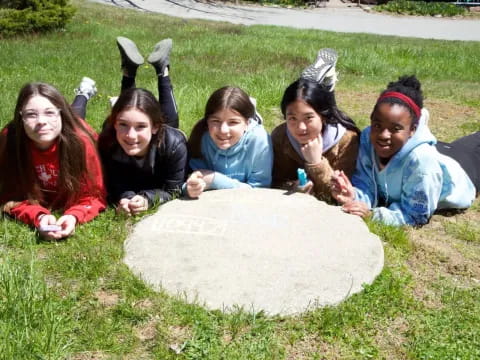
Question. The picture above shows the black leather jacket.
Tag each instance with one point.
(158, 176)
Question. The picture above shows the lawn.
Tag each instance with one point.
(76, 299)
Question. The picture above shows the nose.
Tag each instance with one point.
(385, 134)
(131, 132)
(41, 119)
(302, 126)
(224, 128)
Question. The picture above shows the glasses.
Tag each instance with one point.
(32, 116)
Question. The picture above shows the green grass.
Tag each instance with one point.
(75, 299)
(422, 8)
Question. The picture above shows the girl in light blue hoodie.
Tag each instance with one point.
(229, 147)
(400, 176)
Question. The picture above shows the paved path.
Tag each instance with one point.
(336, 16)
(259, 249)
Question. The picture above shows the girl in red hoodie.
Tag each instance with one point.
(48, 161)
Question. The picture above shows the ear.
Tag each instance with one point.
(412, 130)
(155, 130)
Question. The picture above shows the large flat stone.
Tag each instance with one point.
(260, 249)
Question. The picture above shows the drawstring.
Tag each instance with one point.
(374, 163)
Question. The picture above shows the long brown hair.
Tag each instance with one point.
(18, 180)
(228, 97)
(134, 98)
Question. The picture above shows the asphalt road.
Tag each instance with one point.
(336, 16)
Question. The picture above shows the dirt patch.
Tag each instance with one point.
(357, 105)
(90, 355)
(144, 304)
(311, 346)
(447, 118)
(106, 298)
(438, 255)
(147, 331)
(177, 337)
(392, 339)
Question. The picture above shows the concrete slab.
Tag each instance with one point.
(259, 249)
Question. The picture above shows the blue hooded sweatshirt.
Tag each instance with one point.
(416, 181)
(248, 163)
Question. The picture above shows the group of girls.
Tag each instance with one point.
(394, 170)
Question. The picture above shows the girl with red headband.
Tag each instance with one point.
(400, 177)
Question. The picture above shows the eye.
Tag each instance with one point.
(29, 114)
(141, 127)
(50, 113)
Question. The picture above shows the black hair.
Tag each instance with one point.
(320, 99)
(408, 85)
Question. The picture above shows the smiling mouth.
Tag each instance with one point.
(43, 132)
(384, 146)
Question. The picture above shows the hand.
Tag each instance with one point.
(67, 223)
(341, 188)
(195, 184)
(138, 204)
(312, 151)
(357, 208)
(305, 189)
(46, 219)
(122, 206)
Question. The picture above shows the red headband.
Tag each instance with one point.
(404, 98)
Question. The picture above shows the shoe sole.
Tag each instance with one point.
(128, 48)
(329, 56)
(161, 52)
(316, 72)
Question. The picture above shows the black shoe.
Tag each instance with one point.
(131, 57)
(160, 56)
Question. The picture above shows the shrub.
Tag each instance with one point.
(28, 16)
(421, 8)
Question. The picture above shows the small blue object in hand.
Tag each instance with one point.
(302, 177)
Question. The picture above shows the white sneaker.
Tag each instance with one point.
(86, 88)
(324, 63)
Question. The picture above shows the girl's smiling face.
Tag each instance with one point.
(226, 127)
(42, 121)
(391, 128)
(303, 122)
(134, 132)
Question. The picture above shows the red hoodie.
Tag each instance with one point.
(91, 200)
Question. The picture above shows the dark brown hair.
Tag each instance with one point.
(228, 97)
(133, 98)
(18, 180)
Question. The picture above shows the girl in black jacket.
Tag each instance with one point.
(143, 154)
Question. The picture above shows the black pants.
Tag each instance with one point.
(79, 106)
(466, 151)
(165, 98)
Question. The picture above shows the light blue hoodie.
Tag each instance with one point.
(248, 163)
(416, 181)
